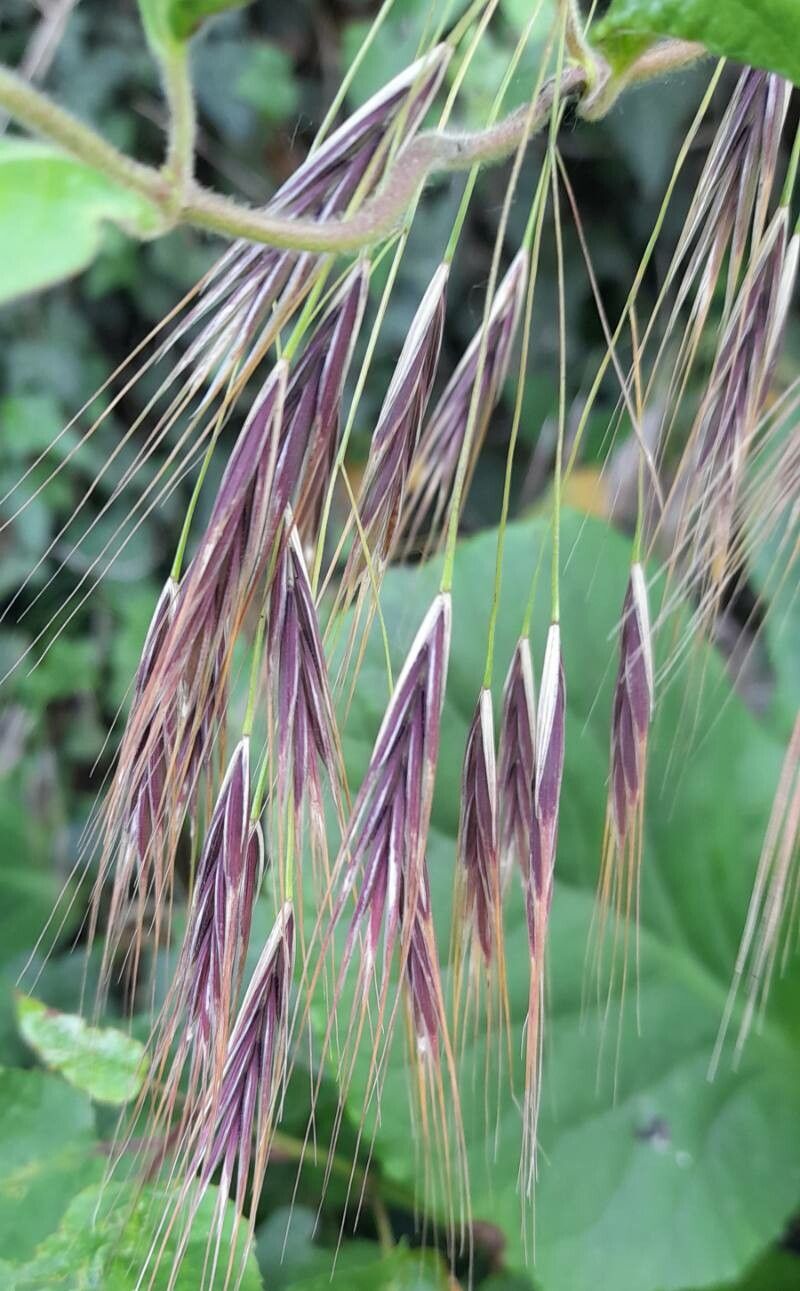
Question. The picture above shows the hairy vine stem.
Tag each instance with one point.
(180, 199)
(174, 193)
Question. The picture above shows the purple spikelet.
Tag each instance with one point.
(307, 736)
(478, 855)
(549, 760)
(436, 459)
(396, 433)
(516, 761)
(219, 919)
(633, 707)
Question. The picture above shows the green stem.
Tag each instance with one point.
(555, 607)
(182, 118)
(38, 113)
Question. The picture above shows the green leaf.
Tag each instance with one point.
(105, 1063)
(776, 1271)
(703, 1174)
(763, 33)
(105, 1239)
(52, 213)
(47, 1154)
(169, 23)
(28, 889)
(295, 1262)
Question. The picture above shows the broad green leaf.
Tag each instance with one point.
(676, 1182)
(295, 1262)
(764, 33)
(105, 1238)
(47, 1154)
(52, 212)
(105, 1063)
(776, 1271)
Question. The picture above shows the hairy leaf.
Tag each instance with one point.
(105, 1063)
(763, 33)
(52, 212)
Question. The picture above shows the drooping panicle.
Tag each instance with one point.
(394, 440)
(549, 766)
(433, 469)
(516, 761)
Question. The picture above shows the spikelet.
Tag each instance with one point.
(308, 744)
(435, 461)
(729, 417)
(634, 693)
(478, 953)
(394, 440)
(232, 1126)
(516, 762)
(549, 767)
(190, 1037)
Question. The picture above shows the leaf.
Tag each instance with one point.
(677, 1182)
(28, 889)
(168, 23)
(105, 1063)
(52, 212)
(763, 33)
(293, 1261)
(105, 1239)
(46, 1156)
(776, 1271)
